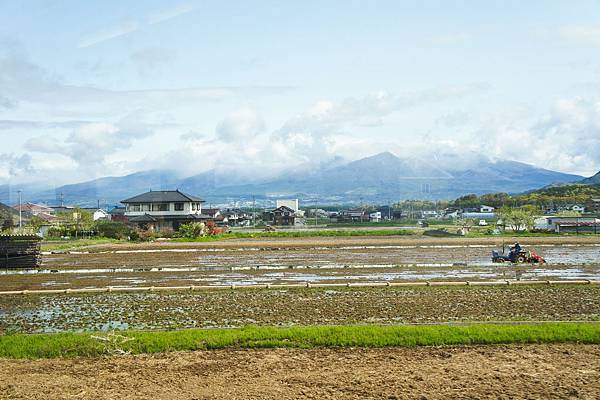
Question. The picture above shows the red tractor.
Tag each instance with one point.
(518, 255)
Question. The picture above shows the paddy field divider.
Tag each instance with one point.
(297, 285)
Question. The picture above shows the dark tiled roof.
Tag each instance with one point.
(283, 209)
(143, 218)
(117, 211)
(158, 196)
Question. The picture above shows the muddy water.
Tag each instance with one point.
(248, 266)
(315, 256)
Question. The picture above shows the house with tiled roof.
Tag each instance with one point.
(163, 209)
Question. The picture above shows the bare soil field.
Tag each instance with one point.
(562, 371)
(301, 306)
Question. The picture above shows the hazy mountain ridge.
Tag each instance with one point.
(379, 178)
(592, 180)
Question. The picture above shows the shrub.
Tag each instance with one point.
(166, 233)
(113, 229)
(145, 235)
(192, 230)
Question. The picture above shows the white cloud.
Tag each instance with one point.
(171, 12)
(566, 139)
(90, 144)
(36, 91)
(13, 166)
(241, 125)
(133, 24)
(111, 32)
(581, 34)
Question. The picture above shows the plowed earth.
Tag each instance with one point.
(562, 371)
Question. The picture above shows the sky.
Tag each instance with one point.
(107, 88)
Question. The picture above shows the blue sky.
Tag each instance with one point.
(89, 89)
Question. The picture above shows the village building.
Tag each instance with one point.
(486, 209)
(452, 212)
(352, 215)
(568, 224)
(98, 214)
(487, 216)
(236, 216)
(577, 208)
(293, 204)
(375, 216)
(281, 216)
(429, 214)
(117, 214)
(34, 209)
(592, 206)
(163, 210)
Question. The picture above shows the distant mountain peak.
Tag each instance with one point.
(592, 180)
(380, 177)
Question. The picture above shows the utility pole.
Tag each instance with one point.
(253, 211)
(20, 211)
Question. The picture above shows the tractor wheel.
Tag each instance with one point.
(520, 259)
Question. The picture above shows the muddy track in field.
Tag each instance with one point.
(564, 371)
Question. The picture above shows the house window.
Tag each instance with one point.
(178, 206)
(160, 206)
(136, 207)
(145, 207)
(193, 206)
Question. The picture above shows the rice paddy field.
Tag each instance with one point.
(517, 341)
(302, 260)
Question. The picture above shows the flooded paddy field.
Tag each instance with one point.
(298, 306)
(239, 276)
(299, 260)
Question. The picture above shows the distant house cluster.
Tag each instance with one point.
(161, 210)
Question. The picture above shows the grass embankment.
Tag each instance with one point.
(85, 345)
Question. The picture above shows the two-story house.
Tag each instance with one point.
(163, 209)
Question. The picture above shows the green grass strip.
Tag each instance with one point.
(84, 345)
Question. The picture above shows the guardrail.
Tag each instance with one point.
(109, 289)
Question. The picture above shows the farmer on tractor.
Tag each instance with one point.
(514, 251)
(517, 255)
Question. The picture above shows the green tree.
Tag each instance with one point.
(518, 219)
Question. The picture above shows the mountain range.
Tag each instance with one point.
(380, 178)
(592, 180)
